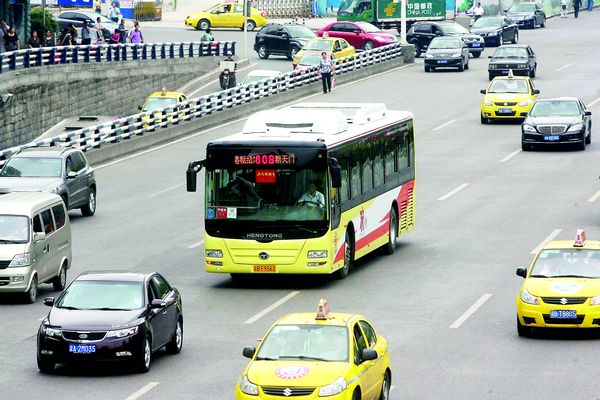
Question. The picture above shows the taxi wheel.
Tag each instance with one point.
(484, 120)
(390, 247)
(356, 395)
(385, 387)
(348, 257)
(203, 24)
(523, 331)
(250, 25)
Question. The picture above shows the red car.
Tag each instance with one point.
(361, 35)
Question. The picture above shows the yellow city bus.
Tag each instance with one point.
(308, 189)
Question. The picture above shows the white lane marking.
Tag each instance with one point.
(549, 238)
(191, 94)
(166, 190)
(142, 391)
(444, 125)
(453, 192)
(564, 67)
(594, 197)
(470, 311)
(511, 155)
(593, 102)
(204, 131)
(197, 244)
(273, 306)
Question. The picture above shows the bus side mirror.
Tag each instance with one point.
(336, 173)
(192, 173)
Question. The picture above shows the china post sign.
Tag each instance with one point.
(414, 9)
(78, 3)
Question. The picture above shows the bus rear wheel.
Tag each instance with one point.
(390, 247)
(348, 257)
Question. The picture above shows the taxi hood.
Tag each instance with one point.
(499, 97)
(295, 373)
(563, 287)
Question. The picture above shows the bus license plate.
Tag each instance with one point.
(264, 268)
(563, 314)
(82, 348)
(551, 138)
(505, 111)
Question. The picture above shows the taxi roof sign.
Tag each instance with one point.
(322, 310)
(510, 73)
(163, 92)
(579, 238)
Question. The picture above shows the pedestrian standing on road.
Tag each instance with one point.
(563, 8)
(49, 39)
(114, 13)
(34, 41)
(98, 6)
(2, 33)
(86, 37)
(576, 5)
(590, 5)
(207, 36)
(11, 40)
(122, 31)
(478, 11)
(99, 31)
(326, 69)
(69, 36)
(135, 35)
(115, 37)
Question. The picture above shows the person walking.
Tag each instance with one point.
(114, 13)
(49, 39)
(478, 11)
(34, 41)
(11, 40)
(2, 33)
(207, 36)
(122, 31)
(86, 37)
(590, 5)
(326, 69)
(576, 5)
(135, 35)
(69, 36)
(563, 8)
(98, 6)
(115, 37)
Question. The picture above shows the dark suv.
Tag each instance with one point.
(281, 39)
(423, 32)
(60, 170)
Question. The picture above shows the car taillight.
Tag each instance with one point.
(263, 14)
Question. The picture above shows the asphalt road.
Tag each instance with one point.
(464, 251)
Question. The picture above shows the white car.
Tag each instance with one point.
(259, 75)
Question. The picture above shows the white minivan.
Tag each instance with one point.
(35, 242)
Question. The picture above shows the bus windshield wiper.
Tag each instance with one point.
(304, 358)
(304, 229)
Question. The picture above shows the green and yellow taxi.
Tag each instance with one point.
(337, 47)
(508, 97)
(561, 287)
(160, 100)
(226, 15)
(336, 356)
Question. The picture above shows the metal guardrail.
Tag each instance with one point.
(31, 58)
(147, 122)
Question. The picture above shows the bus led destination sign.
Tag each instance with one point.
(265, 159)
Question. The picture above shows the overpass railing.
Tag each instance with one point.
(148, 122)
(32, 58)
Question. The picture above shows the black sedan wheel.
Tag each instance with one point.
(176, 343)
(516, 38)
(45, 366)
(543, 23)
(144, 359)
(477, 55)
(263, 54)
(588, 138)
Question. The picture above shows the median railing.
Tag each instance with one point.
(150, 122)
(31, 58)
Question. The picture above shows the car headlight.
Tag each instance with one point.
(429, 55)
(575, 128)
(522, 66)
(317, 254)
(595, 301)
(492, 66)
(214, 253)
(528, 298)
(51, 332)
(336, 387)
(528, 128)
(456, 55)
(121, 333)
(248, 387)
(381, 39)
(487, 103)
(20, 260)
(524, 103)
(493, 33)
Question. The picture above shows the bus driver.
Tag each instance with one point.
(312, 198)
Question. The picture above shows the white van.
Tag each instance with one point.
(35, 242)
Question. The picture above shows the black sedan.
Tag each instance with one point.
(527, 15)
(562, 120)
(423, 32)
(111, 316)
(496, 30)
(519, 58)
(447, 52)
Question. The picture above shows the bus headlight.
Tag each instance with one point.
(317, 254)
(248, 387)
(214, 253)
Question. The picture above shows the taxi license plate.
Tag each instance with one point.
(505, 111)
(264, 268)
(563, 314)
(82, 348)
(475, 44)
(551, 138)
(442, 61)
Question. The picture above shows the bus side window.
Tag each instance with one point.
(367, 175)
(403, 160)
(345, 189)
(355, 180)
(378, 171)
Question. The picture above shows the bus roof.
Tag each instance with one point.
(327, 123)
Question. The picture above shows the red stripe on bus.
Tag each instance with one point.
(402, 196)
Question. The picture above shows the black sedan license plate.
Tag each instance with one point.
(442, 61)
(552, 138)
(82, 348)
(475, 44)
(563, 314)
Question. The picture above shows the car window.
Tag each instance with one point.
(359, 344)
(423, 28)
(151, 294)
(351, 28)
(238, 8)
(337, 28)
(79, 161)
(37, 224)
(66, 15)
(59, 215)
(70, 164)
(79, 17)
(344, 44)
(47, 221)
(161, 286)
(369, 333)
(337, 46)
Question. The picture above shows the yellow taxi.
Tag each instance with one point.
(226, 15)
(333, 355)
(162, 99)
(508, 97)
(561, 287)
(338, 47)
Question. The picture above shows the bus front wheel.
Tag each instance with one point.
(348, 257)
(390, 247)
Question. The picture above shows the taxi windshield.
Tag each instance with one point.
(155, 103)
(509, 86)
(567, 263)
(489, 22)
(445, 43)
(557, 108)
(510, 52)
(305, 342)
(318, 45)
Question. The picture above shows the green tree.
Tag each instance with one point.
(41, 23)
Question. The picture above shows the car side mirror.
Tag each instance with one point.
(39, 236)
(505, 11)
(368, 355)
(140, 108)
(438, 33)
(483, 91)
(71, 175)
(357, 31)
(249, 351)
(588, 113)
(158, 303)
(49, 301)
(522, 272)
(490, 56)
(536, 91)
(285, 36)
